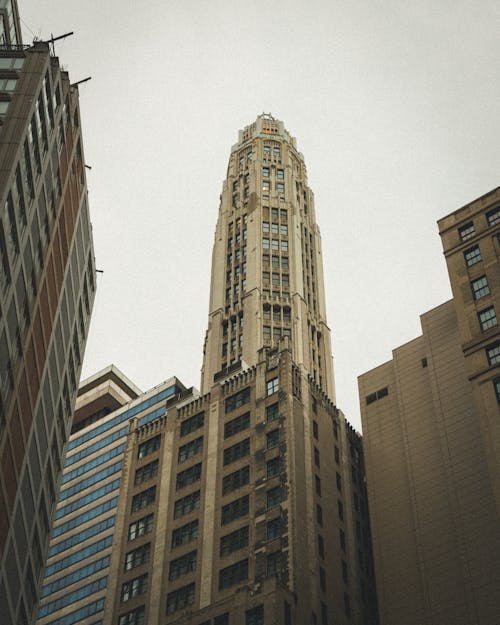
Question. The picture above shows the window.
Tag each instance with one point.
(284, 230)
(339, 482)
(255, 616)
(265, 172)
(284, 246)
(237, 425)
(186, 504)
(274, 528)
(321, 547)
(233, 574)
(265, 243)
(493, 216)
(487, 318)
(273, 467)
(189, 476)
(234, 541)
(146, 472)
(324, 614)
(236, 480)
(143, 499)
(134, 617)
(342, 540)
(466, 232)
(318, 485)
(185, 534)
(235, 452)
(272, 386)
(273, 564)
(222, 619)
(316, 457)
(181, 598)
(274, 496)
(496, 385)
(235, 509)
(237, 400)
(190, 449)
(493, 353)
(322, 579)
(265, 226)
(280, 174)
(347, 605)
(149, 446)
(319, 515)
(272, 412)
(134, 587)
(480, 287)
(472, 256)
(315, 430)
(181, 566)
(265, 185)
(383, 392)
(195, 422)
(137, 556)
(280, 187)
(272, 438)
(344, 572)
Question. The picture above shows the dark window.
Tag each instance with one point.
(185, 534)
(237, 400)
(342, 540)
(272, 438)
(274, 528)
(234, 541)
(337, 454)
(233, 574)
(493, 353)
(143, 499)
(340, 507)
(236, 480)
(493, 216)
(274, 496)
(137, 556)
(318, 485)
(237, 425)
(222, 619)
(321, 547)
(134, 587)
(383, 392)
(273, 563)
(181, 598)
(273, 467)
(140, 527)
(190, 449)
(487, 318)
(146, 472)
(149, 446)
(347, 605)
(272, 412)
(186, 504)
(319, 515)
(316, 457)
(235, 509)
(496, 386)
(344, 572)
(480, 287)
(255, 616)
(288, 613)
(315, 430)
(472, 256)
(134, 617)
(188, 476)
(180, 566)
(322, 579)
(466, 232)
(193, 423)
(339, 482)
(324, 614)
(240, 450)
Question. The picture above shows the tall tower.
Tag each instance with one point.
(267, 269)
(47, 284)
(246, 505)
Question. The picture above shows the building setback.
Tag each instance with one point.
(47, 284)
(246, 505)
(431, 437)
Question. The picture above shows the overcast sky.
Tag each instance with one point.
(395, 106)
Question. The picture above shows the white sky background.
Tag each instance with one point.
(395, 106)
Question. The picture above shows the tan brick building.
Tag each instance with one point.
(431, 437)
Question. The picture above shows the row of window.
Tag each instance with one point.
(467, 231)
(274, 244)
(266, 172)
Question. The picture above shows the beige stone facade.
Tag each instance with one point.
(430, 432)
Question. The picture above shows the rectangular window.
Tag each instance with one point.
(233, 574)
(181, 598)
(265, 172)
(272, 412)
(344, 572)
(238, 399)
(149, 446)
(143, 499)
(487, 318)
(342, 540)
(315, 430)
(280, 174)
(190, 449)
(185, 534)
(236, 480)
(383, 392)
(237, 425)
(235, 509)
(472, 256)
(180, 566)
(146, 472)
(222, 619)
(496, 386)
(137, 556)
(316, 457)
(318, 485)
(321, 547)
(265, 243)
(134, 587)
(322, 579)
(234, 541)
(274, 528)
(273, 564)
(284, 246)
(280, 187)
(284, 230)
(186, 504)
(189, 476)
(493, 216)
(235, 452)
(272, 438)
(134, 617)
(265, 226)
(140, 527)
(466, 232)
(319, 515)
(274, 496)
(272, 386)
(195, 422)
(480, 287)
(273, 467)
(255, 616)
(493, 353)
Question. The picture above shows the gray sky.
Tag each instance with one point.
(395, 106)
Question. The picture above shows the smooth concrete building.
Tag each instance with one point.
(246, 505)
(47, 284)
(431, 437)
(78, 565)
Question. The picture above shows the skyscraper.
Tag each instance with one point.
(47, 286)
(431, 436)
(246, 504)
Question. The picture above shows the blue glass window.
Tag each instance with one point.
(86, 516)
(92, 464)
(83, 501)
(91, 480)
(93, 530)
(73, 597)
(79, 555)
(80, 614)
(74, 576)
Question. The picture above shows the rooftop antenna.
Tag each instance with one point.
(53, 39)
